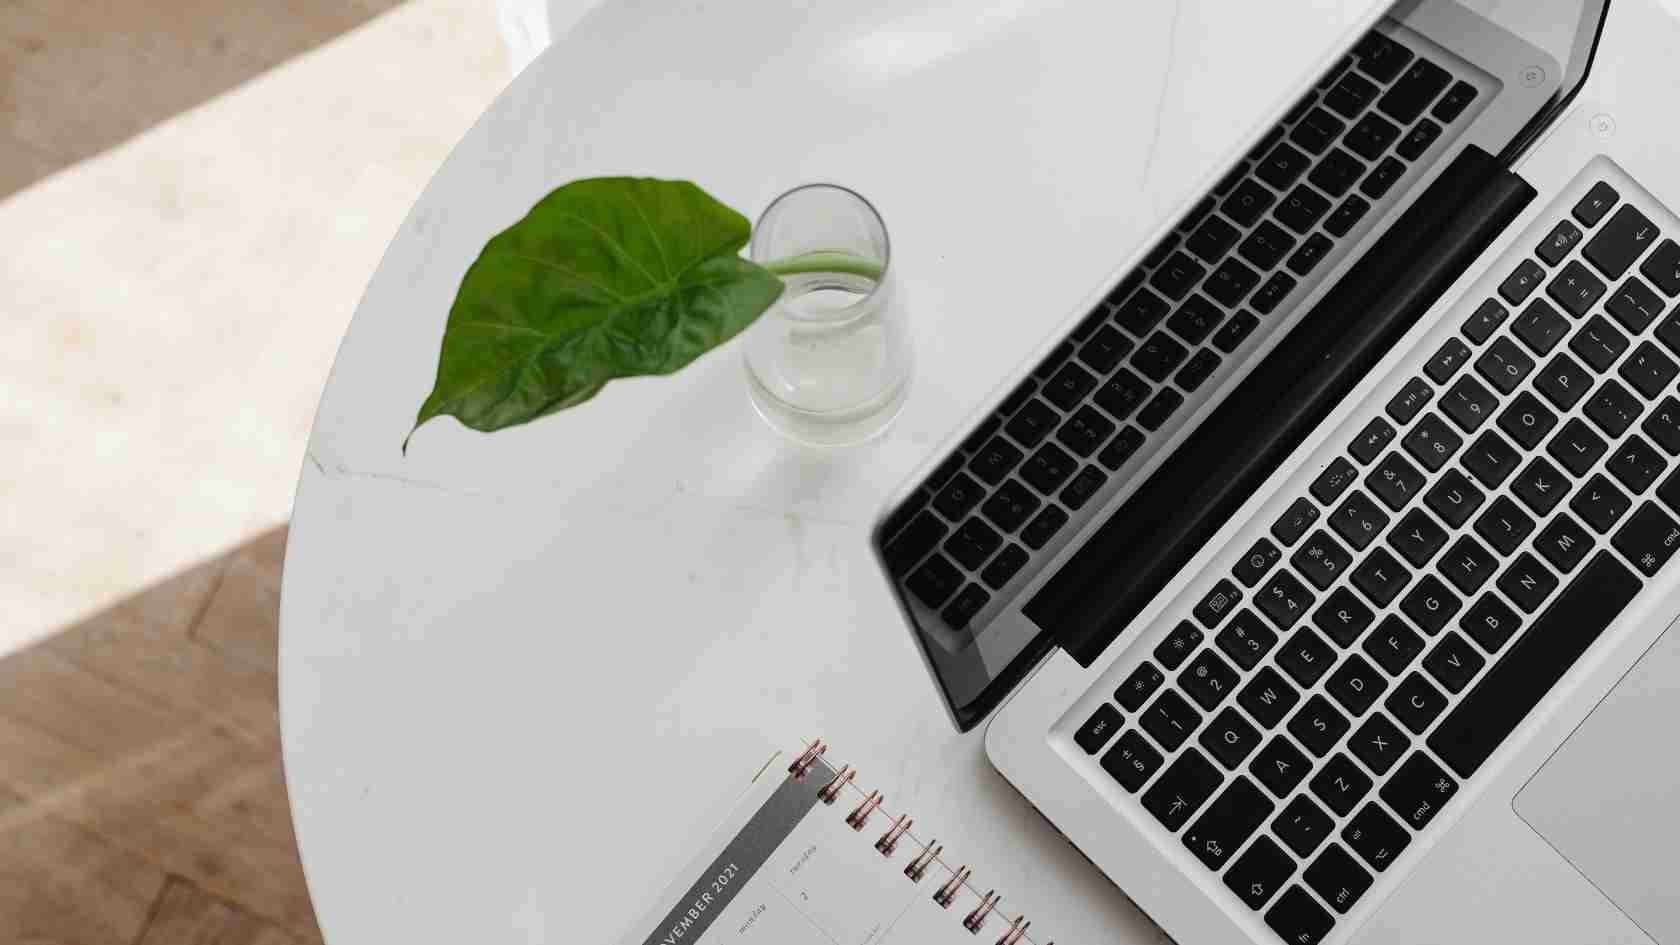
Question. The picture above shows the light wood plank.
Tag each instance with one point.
(242, 620)
(186, 915)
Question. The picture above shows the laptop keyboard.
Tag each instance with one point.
(1430, 578)
(1003, 504)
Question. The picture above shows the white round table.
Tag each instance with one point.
(524, 674)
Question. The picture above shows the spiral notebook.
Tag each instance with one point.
(809, 857)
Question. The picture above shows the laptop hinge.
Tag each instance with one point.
(1160, 527)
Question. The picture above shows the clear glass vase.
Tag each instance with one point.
(829, 364)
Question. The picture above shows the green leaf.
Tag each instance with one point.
(605, 278)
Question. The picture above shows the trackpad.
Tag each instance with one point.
(1609, 799)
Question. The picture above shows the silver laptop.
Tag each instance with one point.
(1317, 584)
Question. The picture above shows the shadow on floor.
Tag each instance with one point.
(78, 78)
(141, 798)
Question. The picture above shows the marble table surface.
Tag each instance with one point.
(522, 675)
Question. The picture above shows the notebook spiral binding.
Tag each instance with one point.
(841, 780)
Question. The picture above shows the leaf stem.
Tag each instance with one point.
(825, 261)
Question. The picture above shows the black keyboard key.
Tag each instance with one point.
(1412, 398)
(1454, 102)
(935, 581)
(1260, 872)
(1295, 521)
(1429, 604)
(1576, 289)
(1048, 468)
(1447, 361)
(1282, 165)
(1336, 172)
(1158, 254)
(1195, 319)
(1160, 408)
(1122, 394)
(1141, 311)
(1228, 823)
(1504, 525)
(1634, 304)
(1541, 486)
(1186, 784)
(1382, 178)
(1522, 282)
(1490, 623)
(1468, 565)
(1431, 442)
(1303, 825)
(1454, 497)
(1596, 204)
(962, 608)
(1393, 645)
(1371, 441)
(1235, 331)
(1283, 600)
(1280, 766)
(1599, 343)
(1482, 323)
(995, 460)
(1301, 209)
(1259, 560)
(1337, 878)
(972, 543)
(1139, 686)
(1321, 560)
(1340, 784)
(1197, 370)
(1380, 57)
(1004, 567)
(1083, 487)
(1527, 420)
(1105, 349)
(1178, 644)
(1663, 425)
(1342, 616)
(1217, 603)
(1229, 738)
(1417, 537)
(1453, 663)
(1197, 214)
(1231, 179)
(1636, 464)
(1563, 381)
(1089, 324)
(1358, 520)
(1375, 836)
(1563, 543)
(1158, 356)
(1350, 95)
(1348, 214)
(1268, 697)
(1298, 919)
(1247, 202)
(1177, 276)
(1371, 136)
(1576, 447)
(1419, 788)
(1318, 725)
(1272, 293)
(913, 542)
(1230, 283)
(1246, 640)
(1540, 327)
(1418, 140)
(1378, 743)
(1132, 761)
(1623, 238)
(1333, 481)
(981, 434)
(1098, 729)
(1170, 720)
(1044, 527)
(1085, 431)
(1497, 704)
(1355, 684)
(1648, 370)
(1504, 365)
(1010, 506)
(1415, 703)
(1669, 491)
(1490, 459)
(1316, 130)
(1381, 577)
(1662, 267)
(1558, 242)
(1068, 388)
(1266, 245)
(959, 497)
(1527, 582)
(1213, 239)
(1468, 403)
(1648, 539)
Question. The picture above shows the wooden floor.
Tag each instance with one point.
(141, 798)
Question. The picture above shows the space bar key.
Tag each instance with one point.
(1477, 726)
